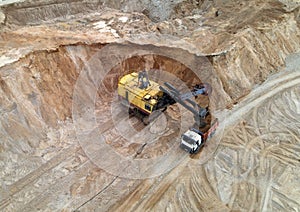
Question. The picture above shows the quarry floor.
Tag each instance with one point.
(252, 163)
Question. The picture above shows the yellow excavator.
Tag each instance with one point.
(146, 99)
(142, 96)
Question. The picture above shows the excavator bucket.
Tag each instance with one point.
(208, 89)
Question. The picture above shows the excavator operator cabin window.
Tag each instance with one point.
(147, 107)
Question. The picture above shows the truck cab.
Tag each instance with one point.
(191, 141)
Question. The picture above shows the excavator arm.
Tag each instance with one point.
(193, 139)
(186, 101)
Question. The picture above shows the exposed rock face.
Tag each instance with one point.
(240, 37)
(2, 17)
(45, 46)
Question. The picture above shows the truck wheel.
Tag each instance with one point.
(193, 151)
(196, 150)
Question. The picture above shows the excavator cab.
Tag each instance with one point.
(143, 80)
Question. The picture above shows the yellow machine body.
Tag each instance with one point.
(145, 100)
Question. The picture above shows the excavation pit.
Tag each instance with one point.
(109, 128)
(70, 91)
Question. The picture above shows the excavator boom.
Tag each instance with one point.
(186, 101)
